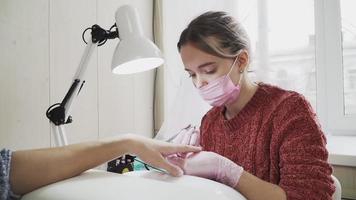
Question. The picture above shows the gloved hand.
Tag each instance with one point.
(210, 165)
(188, 136)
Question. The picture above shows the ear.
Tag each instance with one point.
(243, 60)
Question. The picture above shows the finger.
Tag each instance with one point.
(193, 139)
(158, 161)
(179, 149)
(196, 141)
(186, 139)
(175, 160)
(187, 149)
(172, 169)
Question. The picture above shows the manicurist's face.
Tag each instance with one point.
(203, 67)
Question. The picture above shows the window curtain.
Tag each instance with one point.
(158, 101)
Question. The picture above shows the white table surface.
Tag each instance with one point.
(146, 185)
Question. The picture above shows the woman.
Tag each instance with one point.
(24, 171)
(259, 139)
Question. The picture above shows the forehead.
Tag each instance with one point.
(193, 57)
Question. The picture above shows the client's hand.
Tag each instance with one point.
(154, 152)
(210, 165)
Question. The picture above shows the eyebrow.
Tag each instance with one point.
(202, 65)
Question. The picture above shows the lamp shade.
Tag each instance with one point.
(135, 52)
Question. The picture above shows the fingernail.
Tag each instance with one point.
(179, 173)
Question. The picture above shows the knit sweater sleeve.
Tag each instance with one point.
(304, 170)
(5, 158)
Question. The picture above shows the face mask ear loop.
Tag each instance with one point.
(233, 64)
(236, 58)
(241, 72)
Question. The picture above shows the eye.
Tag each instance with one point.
(210, 71)
(191, 75)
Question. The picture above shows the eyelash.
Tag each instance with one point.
(209, 72)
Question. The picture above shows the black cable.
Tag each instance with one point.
(84, 34)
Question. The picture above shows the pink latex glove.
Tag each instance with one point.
(188, 136)
(210, 165)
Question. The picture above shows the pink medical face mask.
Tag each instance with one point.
(222, 90)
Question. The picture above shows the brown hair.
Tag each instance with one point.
(215, 33)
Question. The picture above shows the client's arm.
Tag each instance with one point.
(31, 169)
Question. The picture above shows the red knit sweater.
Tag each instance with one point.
(277, 138)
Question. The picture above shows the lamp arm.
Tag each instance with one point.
(78, 80)
(59, 113)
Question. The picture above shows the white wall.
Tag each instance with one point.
(40, 50)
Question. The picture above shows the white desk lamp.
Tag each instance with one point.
(134, 53)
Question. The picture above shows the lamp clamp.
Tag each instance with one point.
(100, 36)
